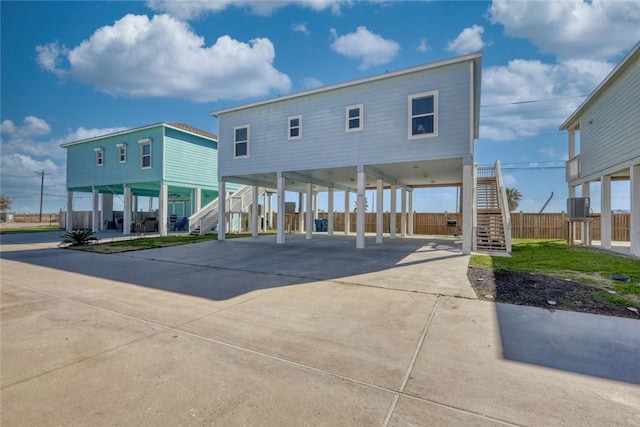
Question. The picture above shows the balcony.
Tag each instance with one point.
(573, 168)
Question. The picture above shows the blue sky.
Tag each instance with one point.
(72, 70)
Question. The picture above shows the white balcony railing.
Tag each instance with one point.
(573, 168)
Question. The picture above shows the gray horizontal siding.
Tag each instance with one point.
(613, 136)
(324, 141)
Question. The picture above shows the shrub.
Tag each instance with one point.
(78, 238)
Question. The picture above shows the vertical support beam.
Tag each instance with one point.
(572, 231)
(315, 205)
(330, 212)
(410, 221)
(634, 182)
(95, 211)
(135, 208)
(347, 213)
(254, 211)
(586, 234)
(262, 219)
(69, 224)
(605, 212)
(126, 212)
(222, 210)
(572, 143)
(309, 211)
(403, 213)
(467, 209)
(379, 216)
(281, 207)
(392, 219)
(270, 212)
(150, 205)
(163, 205)
(198, 200)
(300, 212)
(360, 201)
(107, 206)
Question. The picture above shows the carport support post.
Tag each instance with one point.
(222, 210)
(586, 237)
(254, 211)
(197, 201)
(634, 228)
(361, 183)
(309, 211)
(392, 218)
(379, 216)
(107, 206)
(410, 222)
(347, 216)
(605, 209)
(467, 208)
(403, 213)
(95, 211)
(300, 212)
(330, 212)
(281, 210)
(162, 209)
(69, 221)
(126, 213)
(315, 205)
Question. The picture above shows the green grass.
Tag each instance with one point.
(37, 229)
(555, 258)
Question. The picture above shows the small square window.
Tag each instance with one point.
(295, 127)
(99, 156)
(122, 153)
(354, 119)
(423, 115)
(145, 153)
(241, 141)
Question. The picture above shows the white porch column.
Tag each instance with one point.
(315, 205)
(270, 214)
(222, 210)
(403, 213)
(69, 224)
(198, 200)
(95, 211)
(150, 204)
(301, 212)
(605, 212)
(330, 212)
(634, 182)
(392, 214)
(467, 209)
(410, 221)
(379, 216)
(360, 201)
(586, 234)
(126, 212)
(572, 144)
(281, 207)
(309, 211)
(135, 208)
(254, 211)
(347, 216)
(107, 206)
(163, 205)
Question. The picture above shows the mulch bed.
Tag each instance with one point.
(514, 287)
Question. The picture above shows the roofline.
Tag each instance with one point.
(573, 118)
(477, 56)
(165, 124)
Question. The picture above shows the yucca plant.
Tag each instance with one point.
(78, 238)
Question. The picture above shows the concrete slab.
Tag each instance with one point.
(461, 365)
(414, 412)
(363, 333)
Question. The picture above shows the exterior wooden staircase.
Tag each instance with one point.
(493, 221)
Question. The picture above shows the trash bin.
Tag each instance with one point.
(318, 224)
(325, 224)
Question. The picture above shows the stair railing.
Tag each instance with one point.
(504, 205)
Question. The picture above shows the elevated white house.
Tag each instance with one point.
(608, 148)
(395, 131)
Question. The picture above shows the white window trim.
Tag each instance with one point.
(433, 93)
(289, 127)
(143, 142)
(118, 147)
(360, 107)
(99, 154)
(248, 127)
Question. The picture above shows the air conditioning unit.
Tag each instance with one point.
(578, 207)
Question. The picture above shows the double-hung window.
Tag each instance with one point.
(294, 127)
(354, 119)
(145, 153)
(241, 135)
(99, 156)
(122, 153)
(423, 115)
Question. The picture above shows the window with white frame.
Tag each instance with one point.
(295, 127)
(122, 153)
(423, 115)
(354, 119)
(241, 137)
(145, 153)
(99, 156)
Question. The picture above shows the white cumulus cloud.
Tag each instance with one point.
(423, 46)
(163, 57)
(300, 28)
(469, 40)
(363, 45)
(311, 83)
(598, 29)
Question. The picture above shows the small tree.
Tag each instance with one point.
(5, 203)
(513, 198)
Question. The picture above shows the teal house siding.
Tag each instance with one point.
(194, 162)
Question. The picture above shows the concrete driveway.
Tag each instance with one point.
(244, 332)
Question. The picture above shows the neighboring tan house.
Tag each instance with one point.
(608, 122)
(172, 163)
(400, 130)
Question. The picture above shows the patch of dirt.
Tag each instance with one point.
(536, 290)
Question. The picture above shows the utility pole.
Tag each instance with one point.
(41, 173)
